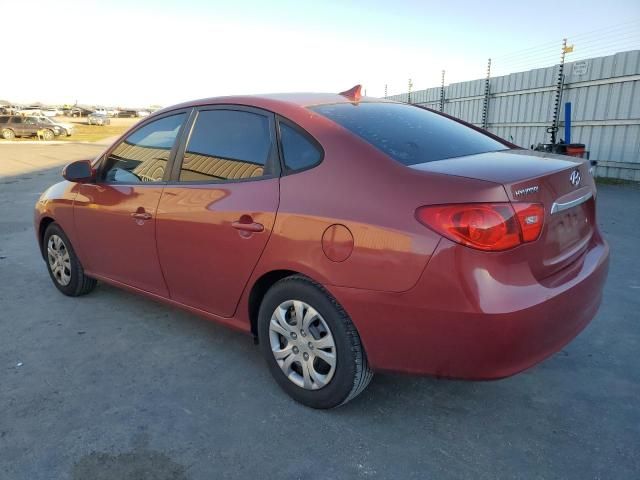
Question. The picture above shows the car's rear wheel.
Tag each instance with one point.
(8, 134)
(63, 264)
(48, 134)
(311, 345)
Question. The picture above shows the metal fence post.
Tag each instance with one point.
(442, 93)
(553, 130)
(485, 106)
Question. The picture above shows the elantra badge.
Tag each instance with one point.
(575, 178)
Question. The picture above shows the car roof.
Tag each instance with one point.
(275, 101)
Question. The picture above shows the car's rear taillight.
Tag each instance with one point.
(530, 217)
(485, 226)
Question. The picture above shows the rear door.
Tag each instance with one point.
(18, 126)
(116, 216)
(217, 212)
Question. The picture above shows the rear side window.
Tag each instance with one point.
(4, 119)
(298, 151)
(407, 133)
(226, 145)
(16, 119)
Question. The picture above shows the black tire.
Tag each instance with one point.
(352, 373)
(8, 134)
(79, 283)
(48, 135)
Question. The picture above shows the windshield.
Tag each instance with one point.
(407, 133)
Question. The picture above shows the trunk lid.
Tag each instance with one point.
(562, 184)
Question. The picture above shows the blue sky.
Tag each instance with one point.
(143, 52)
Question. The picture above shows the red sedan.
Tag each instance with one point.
(347, 234)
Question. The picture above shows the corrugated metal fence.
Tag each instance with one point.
(605, 97)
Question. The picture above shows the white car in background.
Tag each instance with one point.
(30, 112)
(65, 128)
(51, 112)
(143, 113)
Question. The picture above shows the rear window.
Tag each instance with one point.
(407, 133)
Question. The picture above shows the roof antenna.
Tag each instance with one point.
(354, 94)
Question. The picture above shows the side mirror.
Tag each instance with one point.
(79, 172)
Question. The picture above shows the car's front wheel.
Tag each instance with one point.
(63, 264)
(48, 134)
(311, 345)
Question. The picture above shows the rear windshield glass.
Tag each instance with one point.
(407, 133)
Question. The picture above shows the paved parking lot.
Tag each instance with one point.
(114, 386)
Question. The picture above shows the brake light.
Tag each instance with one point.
(531, 218)
(485, 226)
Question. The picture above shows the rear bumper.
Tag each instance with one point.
(463, 321)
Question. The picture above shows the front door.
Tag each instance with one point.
(115, 217)
(217, 212)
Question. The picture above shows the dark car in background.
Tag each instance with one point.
(127, 114)
(12, 126)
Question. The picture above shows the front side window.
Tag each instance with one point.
(409, 134)
(227, 145)
(298, 151)
(143, 155)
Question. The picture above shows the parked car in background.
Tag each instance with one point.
(347, 234)
(11, 109)
(96, 118)
(127, 114)
(30, 111)
(65, 128)
(78, 112)
(142, 113)
(12, 126)
(51, 112)
(113, 112)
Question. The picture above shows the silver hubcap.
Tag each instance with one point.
(302, 344)
(59, 260)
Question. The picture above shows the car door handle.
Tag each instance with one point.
(141, 216)
(248, 226)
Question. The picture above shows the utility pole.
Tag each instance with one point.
(553, 130)
(485, 106)
(385, 90)
(442, 93)
(409, 95)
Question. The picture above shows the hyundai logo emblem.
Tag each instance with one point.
(575, 178)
